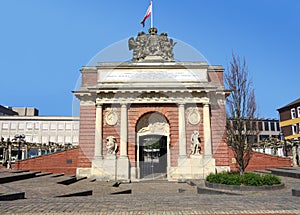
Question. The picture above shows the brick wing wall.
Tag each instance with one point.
(60, 162)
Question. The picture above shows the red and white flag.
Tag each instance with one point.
(148, 14)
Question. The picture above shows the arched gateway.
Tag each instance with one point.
(152, 117)
(153, 138)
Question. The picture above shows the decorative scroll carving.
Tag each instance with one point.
(195, 143)
(111, 145)
(157, 127)
(151, 45)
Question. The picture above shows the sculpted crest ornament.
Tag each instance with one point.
(111, 117)
(159, 47)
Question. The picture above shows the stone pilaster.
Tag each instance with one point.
(124, 131)
(123, 168)
(207, 130)
(98, 132)
(182, 133)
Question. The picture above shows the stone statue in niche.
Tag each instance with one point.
(195, 143)
(111, 145)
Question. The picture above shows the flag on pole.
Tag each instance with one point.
(148, 13)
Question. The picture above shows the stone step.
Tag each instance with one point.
(58, 175)
(43, 174)
(81, 193)
(17, 176)
(9, 194)
(285, 172)
(71, 180)
(296, 192)
(263, 171)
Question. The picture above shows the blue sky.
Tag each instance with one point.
(44, 43)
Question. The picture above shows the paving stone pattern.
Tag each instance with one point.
(156, 197)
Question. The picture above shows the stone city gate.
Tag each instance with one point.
(152, 117)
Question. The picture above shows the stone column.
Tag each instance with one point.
(123, 131)
(181, 129)
(98, 132)
(207, 130)
(123, 167)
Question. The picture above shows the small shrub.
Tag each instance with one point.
(269, 179)
(247, 179)
(251, 179)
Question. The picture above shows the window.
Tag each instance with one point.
(251, 139)
(61, 126)
(260, 126)
(35, 138)
(75, 139)
(266, 124)
(53, 139)
(272, 125)
(60, 139)
(45, 126)
(21, 126)
(29, 125)
(13, 126)
(68, 126)
(68, 139)
(263, 137)
(294, 129)
(76, 126)
(45, 139)
(293, 113)
(277, 126)
(36, 125)
(53, 126)
(298, 110)
(5, 126)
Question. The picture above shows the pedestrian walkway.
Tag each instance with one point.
(154, 197)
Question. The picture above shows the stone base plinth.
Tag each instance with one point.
(195, 167)
(108, 168)
(105, 168)
(83, 172)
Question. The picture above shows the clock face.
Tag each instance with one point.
(111, 118)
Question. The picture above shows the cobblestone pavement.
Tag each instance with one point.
(159, 197)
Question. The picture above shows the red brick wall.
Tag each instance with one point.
(60, 162)
(86, 136)
(89, 78)
(261, 161)
(216, 77)
(219, 138)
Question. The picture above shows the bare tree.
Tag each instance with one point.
(241, 112)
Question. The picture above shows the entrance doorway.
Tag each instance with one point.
(152, 156)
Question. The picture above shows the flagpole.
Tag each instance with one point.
(151, 14)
